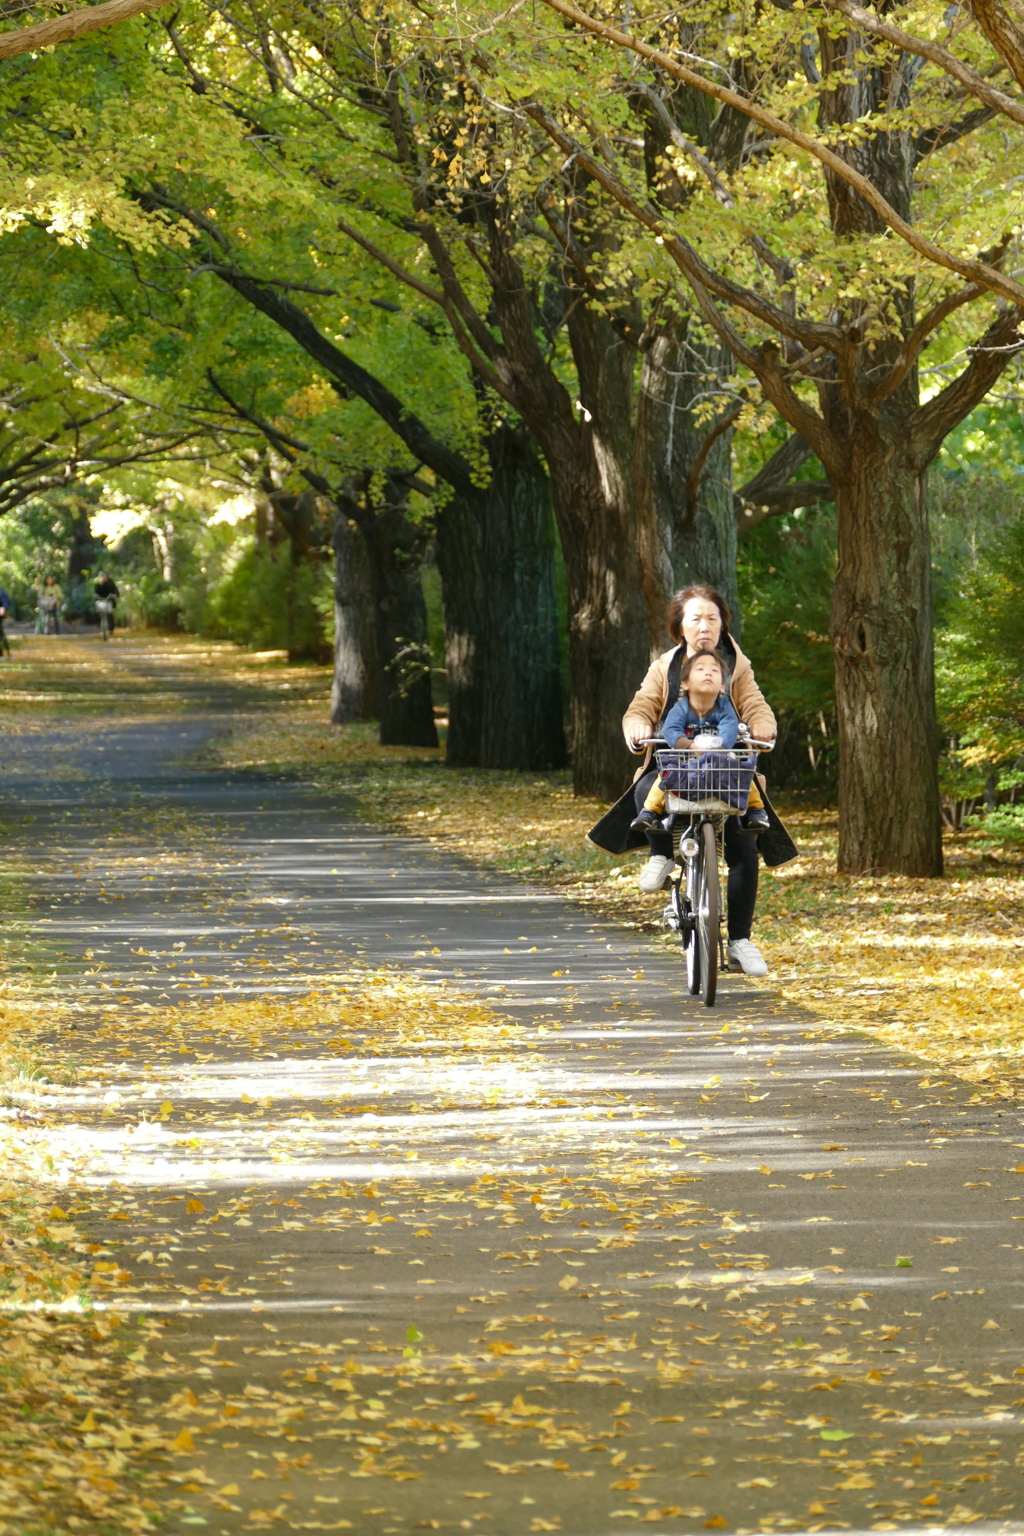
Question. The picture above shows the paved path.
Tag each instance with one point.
(710, 1271)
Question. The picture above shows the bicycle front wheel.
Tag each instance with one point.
(707, 919)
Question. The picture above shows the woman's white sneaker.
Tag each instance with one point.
(748, 957)
(655, 872)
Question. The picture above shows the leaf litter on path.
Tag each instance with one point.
(351, 1209)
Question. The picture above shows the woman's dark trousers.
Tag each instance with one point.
(740, 856)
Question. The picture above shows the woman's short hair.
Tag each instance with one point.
(723, 665)
(680, 600)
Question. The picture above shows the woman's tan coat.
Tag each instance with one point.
(643, 716)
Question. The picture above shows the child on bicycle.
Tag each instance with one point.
(702, 709)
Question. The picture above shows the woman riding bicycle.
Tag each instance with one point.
(698, 620)
(49, 605)
(106, 590)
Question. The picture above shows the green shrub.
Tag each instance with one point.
(267, 601)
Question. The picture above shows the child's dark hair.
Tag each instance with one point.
(684, 671)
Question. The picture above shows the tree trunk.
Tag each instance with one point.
(466, 609)
(521, 724)
(496, 555)
(83, 547)
(590, 464)
(592, 486)
(889, 808)
(355, 688)
(394, 549)
(683, 474)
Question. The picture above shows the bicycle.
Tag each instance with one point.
(47, 622)
(702, 788)
(105, 609)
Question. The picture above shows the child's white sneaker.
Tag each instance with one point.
(655, 872)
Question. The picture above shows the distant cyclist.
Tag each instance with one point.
(5, 607)
(49, 606)
(106, 595)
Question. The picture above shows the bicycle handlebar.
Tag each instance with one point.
(760, 746)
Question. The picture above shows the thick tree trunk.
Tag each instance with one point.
(889, 817)
(394, 550)
(609, 649)
(466, 609)
(521, 725)
(592, 486)
(686, 519)
(496, 555)
(355, 688)
(590, 464)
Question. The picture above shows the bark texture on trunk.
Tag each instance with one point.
(885, 684)
(590, 464)
(593, 491)
(355, 687)
(496, 556)
(687, 524)
(394, 551)
(521, 725)
(457, 543)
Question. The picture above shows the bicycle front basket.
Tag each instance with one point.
(707, 781)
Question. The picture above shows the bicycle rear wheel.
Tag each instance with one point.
(707, 917)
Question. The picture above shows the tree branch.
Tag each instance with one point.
(948, 133)
(693, 479)
(976, 271)
(773, 491)
(764, 361)
(686, 258)
(277, 440)
(800, 493)
(62, 29)
(935, 54)
(932, 422)
(480, 363)
(1005, 34)
(783, 269)
(414, 433)
(571, 251)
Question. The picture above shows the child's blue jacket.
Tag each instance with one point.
(682, 720)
